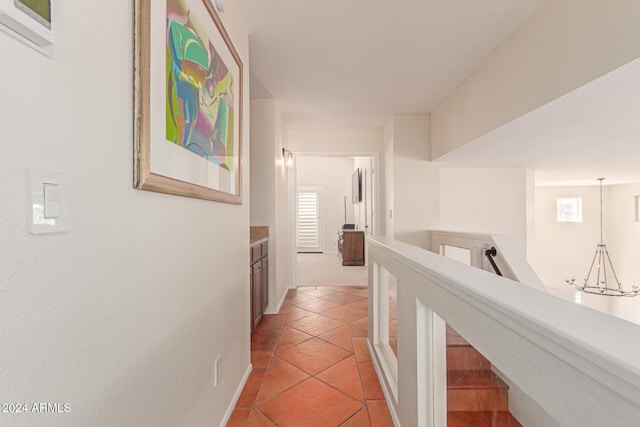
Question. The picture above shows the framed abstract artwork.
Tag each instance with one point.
(188, 102)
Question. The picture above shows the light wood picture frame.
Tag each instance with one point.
(188, 102)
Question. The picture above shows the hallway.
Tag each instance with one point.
(311, 366)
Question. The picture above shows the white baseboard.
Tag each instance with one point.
(236, 396)
(279, 306)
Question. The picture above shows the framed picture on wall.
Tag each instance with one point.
(188, 102)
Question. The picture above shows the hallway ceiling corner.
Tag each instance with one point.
(337, 64)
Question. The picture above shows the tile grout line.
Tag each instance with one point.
(340, 303)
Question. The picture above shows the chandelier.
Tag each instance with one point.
(599, 267)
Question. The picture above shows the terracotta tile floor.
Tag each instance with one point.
(311, 366)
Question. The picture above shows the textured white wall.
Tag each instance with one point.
(263, 170)
(334, 140)
(388, 202)
(415, 180)
(490, 201)
(362, 210)
(123, 316)
(334, 175)
(567, 44)
(565, 249)
(624, 239)
(348, 142)
(283, 227)
(269, 193)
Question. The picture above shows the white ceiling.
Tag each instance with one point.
(354, 63)
(591, 132)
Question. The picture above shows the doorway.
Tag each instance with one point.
(322, 203)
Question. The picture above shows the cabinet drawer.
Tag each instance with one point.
(256, 253)
(265, 248)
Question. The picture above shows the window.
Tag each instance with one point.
(569, 209)
(309, 233)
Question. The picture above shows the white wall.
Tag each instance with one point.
(389, 201)
(565, 249)
(415, 180)
(362, 211)
(488, 201)
(263, 170)
(347, 142)
(624, 239)
(564, 46)
(269, 193)
(334, 175)
(122, 316)
(279, 287)
(334, 140)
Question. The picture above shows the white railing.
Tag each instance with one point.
(579, 366)
(511, 262)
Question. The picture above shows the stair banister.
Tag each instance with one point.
(562, 355)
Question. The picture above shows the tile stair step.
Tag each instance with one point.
(466, 358)
(454, 338)
(481, 419)
(476, 391)
(472, 399)
(467, 379)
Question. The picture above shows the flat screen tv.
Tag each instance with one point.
(356, 187)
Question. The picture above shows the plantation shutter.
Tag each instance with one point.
(308, 220)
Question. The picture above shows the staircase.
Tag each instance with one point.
(476, 397)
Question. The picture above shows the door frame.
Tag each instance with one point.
(376, 220)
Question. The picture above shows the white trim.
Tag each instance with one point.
(386, 390)
(549, 347)
(375, 229)
(511, 262)
(291, 190)
(236, 396)
(279, 306)
(377, 213)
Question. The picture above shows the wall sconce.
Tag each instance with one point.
(288, 156)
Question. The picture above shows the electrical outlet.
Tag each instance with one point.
(217, 371)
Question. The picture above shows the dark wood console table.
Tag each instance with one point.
(351, 247)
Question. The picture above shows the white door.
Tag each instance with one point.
(308, 219)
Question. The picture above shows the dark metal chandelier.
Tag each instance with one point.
(599, 267)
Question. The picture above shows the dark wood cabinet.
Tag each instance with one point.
(256, 297)
(259, 282)
(351, 247)
(264, 291)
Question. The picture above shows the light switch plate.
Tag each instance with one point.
(30, 19)
(51, 200)
(30, 22)
(48, 214)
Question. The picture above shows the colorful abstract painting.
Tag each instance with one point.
(188, 102)
(200, 104)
